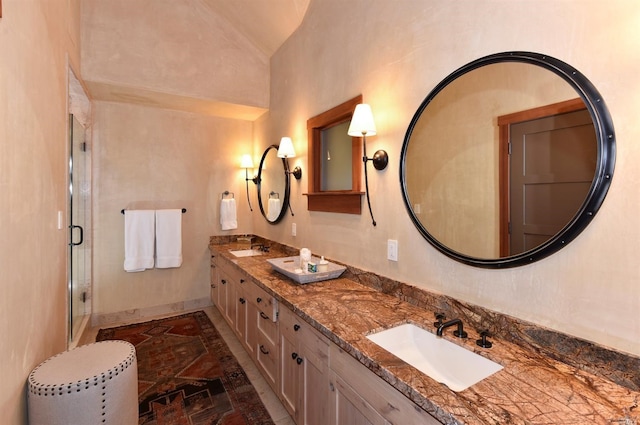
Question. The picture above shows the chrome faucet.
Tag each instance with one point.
(460, 333)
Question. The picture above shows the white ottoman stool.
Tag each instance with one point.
(93, 384)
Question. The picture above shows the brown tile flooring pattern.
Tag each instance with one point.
(268, 397)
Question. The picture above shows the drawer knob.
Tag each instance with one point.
(264, 316)
(242, 300)
(294, 356)
(296, 328)
(224, 282)
(299, 360)
(259, 299)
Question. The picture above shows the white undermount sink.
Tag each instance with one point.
(246, 252)
(442, 360)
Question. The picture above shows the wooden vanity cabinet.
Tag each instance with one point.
(359, 396)
(304, 370)
(233, 295)
(317, 382)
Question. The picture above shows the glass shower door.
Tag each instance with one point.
(79, 223)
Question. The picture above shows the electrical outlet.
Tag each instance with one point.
(392, 250)
(293, 229)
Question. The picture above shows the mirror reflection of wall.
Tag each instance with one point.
(272, 184)
(336, 158)
(452, 160)
(334, 185)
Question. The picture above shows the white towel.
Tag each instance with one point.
(168, 238)
(138, 239)
(228, 219)
(273, 209)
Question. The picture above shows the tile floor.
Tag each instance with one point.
(272, 403)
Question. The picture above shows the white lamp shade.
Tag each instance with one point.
(246, 161)
(362, 122)
(286, 148)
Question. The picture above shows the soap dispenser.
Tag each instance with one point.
(323, 265)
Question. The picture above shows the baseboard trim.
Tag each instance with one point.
(137, 314)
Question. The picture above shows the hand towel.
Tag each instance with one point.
(139, 236)
(168, 238)
(228, 219)
(273, 209)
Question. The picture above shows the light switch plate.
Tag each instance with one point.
(392, 250)
(293, 229)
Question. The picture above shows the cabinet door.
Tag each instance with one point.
(349, 408)
(240, 300)
(215, 284)
(314, 387)
(304, 370)
(290, 375)
(223, 296)
(267, 361)
(230, 300)
(251, 336)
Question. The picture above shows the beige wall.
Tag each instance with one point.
(150, 158)
(151, 50)
(35, 38)
(394, 53)
(391, 52)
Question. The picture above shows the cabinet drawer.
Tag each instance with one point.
(267, 326)
(223, 264)
(296, 329)
(265, 302)
(290, 323)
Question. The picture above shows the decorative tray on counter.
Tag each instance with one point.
(289, 265)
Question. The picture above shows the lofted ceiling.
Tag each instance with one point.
(204, 56)
(266, 23)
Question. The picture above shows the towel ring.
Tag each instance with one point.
(227, 193)
(275, 195)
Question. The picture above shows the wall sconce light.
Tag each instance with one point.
(362, 125)
(247, 162)
(285, 150)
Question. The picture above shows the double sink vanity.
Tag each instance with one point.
(363, 349)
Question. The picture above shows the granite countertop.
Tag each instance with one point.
(530, 389)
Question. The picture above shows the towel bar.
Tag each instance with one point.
(184, 210)
(227, 193)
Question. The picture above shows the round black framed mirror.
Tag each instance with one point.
(273, 186)
(507, 159)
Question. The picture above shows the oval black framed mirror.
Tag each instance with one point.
(273, 185)
(507, 159)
